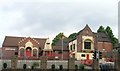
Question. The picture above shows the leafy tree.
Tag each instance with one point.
(109, 33)
(57, 38)
(101, 29)
(72, 36)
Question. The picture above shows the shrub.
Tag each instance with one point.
(4, 65)
(35, 64)
(53, 66)
(82, 67)
(24, 66)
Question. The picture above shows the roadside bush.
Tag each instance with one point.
(4, 65)
(35, 64)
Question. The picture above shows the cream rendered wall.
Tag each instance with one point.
(79, 57)
(47, 46)
(90, 38)
(71, 43)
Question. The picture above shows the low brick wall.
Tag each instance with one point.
(29, 63)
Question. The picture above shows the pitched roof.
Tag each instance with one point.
(13, 41)
(102, 37)
(86, 27)
(58, 45)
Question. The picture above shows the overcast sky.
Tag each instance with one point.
(46, 18)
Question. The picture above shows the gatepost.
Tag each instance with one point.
(43, 64)
(71, 64)
(14, 62)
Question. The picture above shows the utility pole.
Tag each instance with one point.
(96, 60)
(62, 45)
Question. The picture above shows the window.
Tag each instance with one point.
(21, 52)
(34, 52)
(87, 45)
(70, 47)
(73, 46)
(83, 55)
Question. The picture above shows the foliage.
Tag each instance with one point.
(72, 36)
(81, 66)
(24, 66)
(109, 33)
(57, 38)
(101, 29)
(4, 65)
(35, 64)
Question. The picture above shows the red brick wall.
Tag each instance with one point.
(7, 54)
(104, 45)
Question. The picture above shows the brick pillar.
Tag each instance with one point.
(117, 64)
(14, 61)
(95, 65)
(43, 64)
(71, 63)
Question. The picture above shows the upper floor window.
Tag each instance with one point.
(70, 47)
(73, 46)
(87, 44)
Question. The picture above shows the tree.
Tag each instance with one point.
(101, 29)
(109, 33)
(72, 36)
(57, 38)
(113, 39)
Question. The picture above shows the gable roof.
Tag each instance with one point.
(102, 37)
(11, 41)
(86, 27)
(58, 45)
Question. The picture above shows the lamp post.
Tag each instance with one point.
(62, 45)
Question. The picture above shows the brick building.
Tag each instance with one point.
(86, 42)
(26, 47)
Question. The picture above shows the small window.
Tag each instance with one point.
(87, 45)
(70, 47)
(47, 43)
(73, 46)
(83, 55)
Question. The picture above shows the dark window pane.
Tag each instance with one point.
(87, 45)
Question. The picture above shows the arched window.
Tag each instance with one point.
(35, 52)
(22, 52)
(87, 44)
(28, 51)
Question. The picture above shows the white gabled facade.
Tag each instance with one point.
(82, 55)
